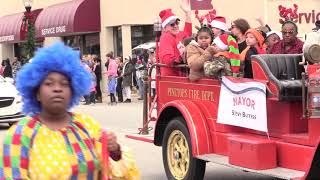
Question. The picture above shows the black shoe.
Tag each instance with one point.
(127, 101)
(140, 98)
(113, 103)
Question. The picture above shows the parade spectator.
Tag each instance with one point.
(93, 90)
(7, 69)
(108, 56)
(255, 41)
(112, 79)
(53, 142)
(139, 66)
(97, 72)
(171, 48)
(90, 97)
(127, 71)
(145, 57)
(273, 37)
(226, 44)
(290, 44)
(2, 68)
(89, 60)
(239, 27)
(16, 65)
(119, 80)
(199, 51)
(88, 69)
(151, 61)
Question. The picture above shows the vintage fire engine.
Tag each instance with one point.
(187, 129)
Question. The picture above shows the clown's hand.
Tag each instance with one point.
(112, 142)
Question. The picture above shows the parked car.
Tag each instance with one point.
(10, 102)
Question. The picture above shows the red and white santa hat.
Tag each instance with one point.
(222, 42)
(220, 23)
(167, 16)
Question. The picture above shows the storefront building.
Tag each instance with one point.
(101, 26)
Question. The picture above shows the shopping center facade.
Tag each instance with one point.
(100, 26)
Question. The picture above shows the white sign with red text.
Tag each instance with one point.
(243, 104)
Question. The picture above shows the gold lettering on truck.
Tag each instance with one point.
(193, 94)
(177, 92)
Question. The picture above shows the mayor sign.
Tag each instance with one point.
(244, 104)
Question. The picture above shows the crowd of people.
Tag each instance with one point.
(122, 75)
(217, 49)
(9, 68)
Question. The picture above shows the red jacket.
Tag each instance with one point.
(279, 48)
(168, 51)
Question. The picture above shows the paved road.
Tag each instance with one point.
(124, 118)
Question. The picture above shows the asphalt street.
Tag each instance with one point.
(127, 118)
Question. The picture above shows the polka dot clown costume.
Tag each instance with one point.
(33, 150)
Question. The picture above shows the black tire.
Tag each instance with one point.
(196, 168)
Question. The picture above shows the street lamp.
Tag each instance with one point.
(28, 27)
(28, 5)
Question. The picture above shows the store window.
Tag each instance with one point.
(117, 41)
(92, 44)
(86, 43)
(76, 42)
(141, 34)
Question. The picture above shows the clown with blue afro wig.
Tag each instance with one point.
(55, 58)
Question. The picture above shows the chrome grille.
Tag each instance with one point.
(6, 101)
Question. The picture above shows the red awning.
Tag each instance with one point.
(10, 28)
(77, 16)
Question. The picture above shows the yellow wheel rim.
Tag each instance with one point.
(178, 154)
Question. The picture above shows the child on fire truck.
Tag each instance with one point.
(210, 60)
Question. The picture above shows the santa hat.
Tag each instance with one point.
(220, 23)
(222, 42)
(167, 16)
(274, 32)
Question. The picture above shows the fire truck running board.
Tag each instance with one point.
(282, 173)
(141, 137)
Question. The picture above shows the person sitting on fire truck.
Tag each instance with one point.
(290, 44)
(255, 45)
(273, 37)
(171, 48)
(199, 51)
(227, 44)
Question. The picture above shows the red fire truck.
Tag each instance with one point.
(187, 129)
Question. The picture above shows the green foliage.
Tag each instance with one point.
(29, 45)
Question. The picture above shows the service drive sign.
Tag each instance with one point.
(243, 104)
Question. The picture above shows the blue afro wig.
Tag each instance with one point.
(56, 58)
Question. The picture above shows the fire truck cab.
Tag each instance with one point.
(186, 124)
